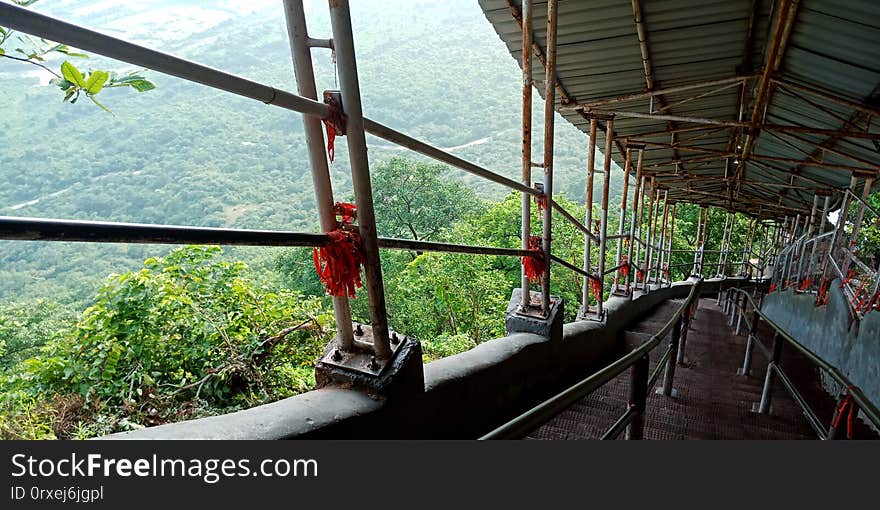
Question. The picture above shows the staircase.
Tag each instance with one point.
(711, 401)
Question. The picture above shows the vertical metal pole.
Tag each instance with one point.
(750, 343)
(697, 239)
(343, 41)
(549, 124)
(811, 268)
(839, 228)
(747, 249)
(298, 36)
(811, 222)
(766, 393)
(642, 244)
(603, 240)
(526, 141)
(622, 222)
(635, 219)
(685, 326)
(649, 245)
(662, 244)
(853, 239)
(669, 242)
(638, 396)
(669, 374)
(703, 241)
(588, 217)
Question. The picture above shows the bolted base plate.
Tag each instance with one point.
(532, 319)
(359, 368)
(361, 358)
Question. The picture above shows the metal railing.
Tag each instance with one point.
(637, 360)
(652, 234)
(736, 304)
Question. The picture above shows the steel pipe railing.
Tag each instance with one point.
(781, 337)
(38, 229)
(533, 418)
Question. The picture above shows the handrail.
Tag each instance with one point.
(867, 407)
(53, 29)
(543, 412)
(568, 265)
(580, 226)
(39, 229)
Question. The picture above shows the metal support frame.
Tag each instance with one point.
(528, 83)
(343, 42)
(770, 376)
(297, 31)
(649, 245)
(622, 219)
(638, 397)
(674, 340)
(603, 232)
(860, 215)
(660, 247)
(588, 217)
(635, 222)
(549, 124)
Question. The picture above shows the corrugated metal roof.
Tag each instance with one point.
(833, 46)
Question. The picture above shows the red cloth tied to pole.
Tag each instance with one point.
(347, 212)
(846, 402)
(334, 123)
(596, 287)
(772, 288)
(849, 277)
(640, 275)
(665, 270)
(624, 266)
(541, 202)
(806, 284)
(339, 262)
(534, 264)
(822, 296)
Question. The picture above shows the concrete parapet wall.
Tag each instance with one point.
(465, 395)
(851, 346)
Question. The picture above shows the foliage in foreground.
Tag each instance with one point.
(185, 336)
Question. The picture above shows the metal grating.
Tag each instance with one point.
(713, 402)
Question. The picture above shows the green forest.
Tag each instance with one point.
(96, 339)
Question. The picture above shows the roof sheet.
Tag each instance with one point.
(833, 46)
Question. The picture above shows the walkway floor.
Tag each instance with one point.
(713, 401)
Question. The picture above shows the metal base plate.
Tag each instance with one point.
(361, 358)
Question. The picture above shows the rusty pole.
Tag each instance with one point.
(642, 244)
(669, 242)
(526, 140)
(603, 240)
(622, 221)
(662, 244)
(297, 32)
(635, 219)
(811, 267)
(649, 248)
(588, 216)
(866, 192)
(549, 112)
(843, 212)
(340, 21)
(810, 225)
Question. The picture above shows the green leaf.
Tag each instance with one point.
(2, 52)
(96, 82)
(143, 85)
(72, 74)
